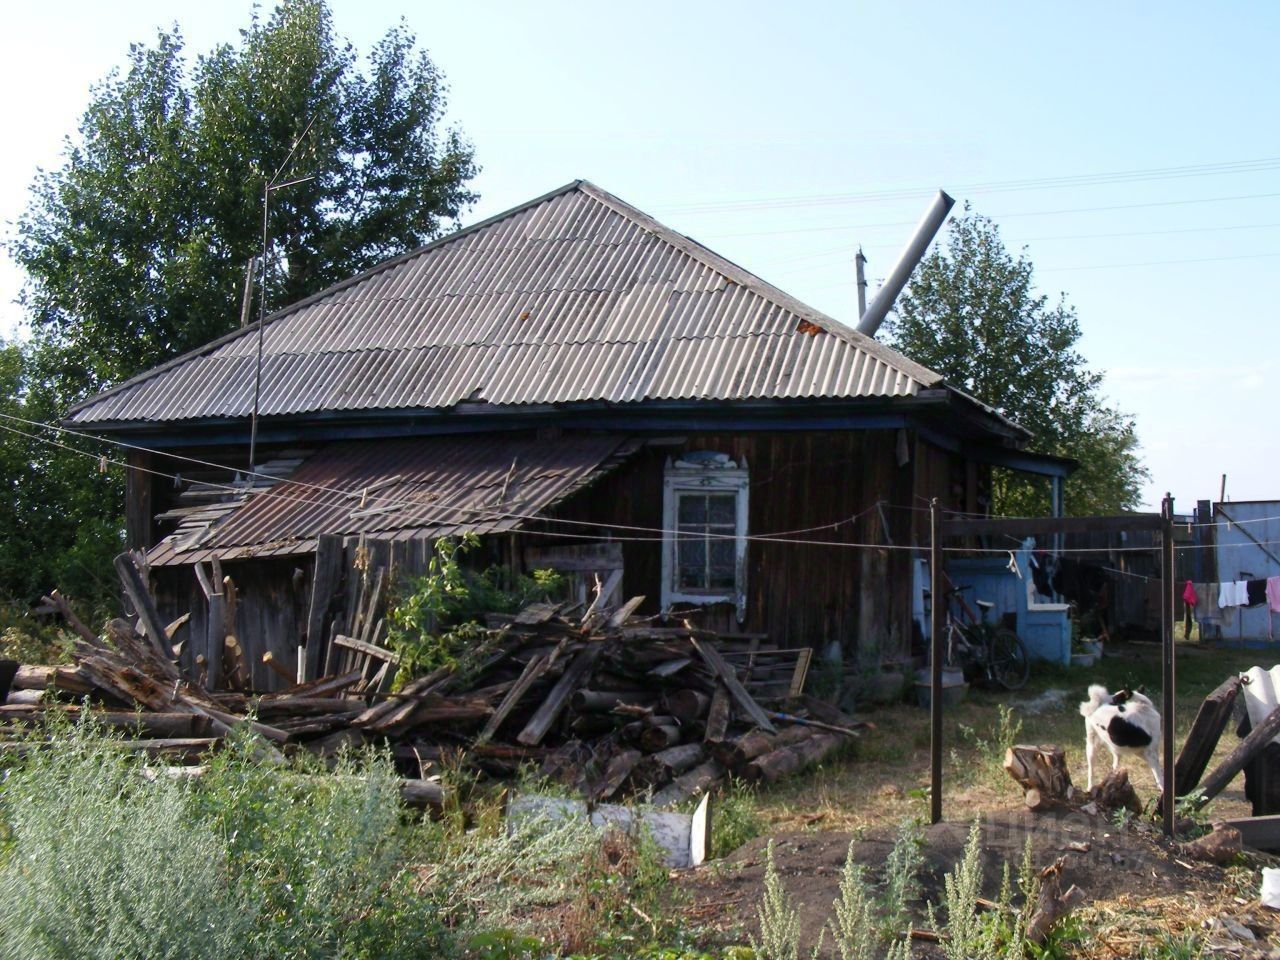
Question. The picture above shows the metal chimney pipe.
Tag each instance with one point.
(912, 254)
(859, 266)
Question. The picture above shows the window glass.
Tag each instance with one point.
(705, 541)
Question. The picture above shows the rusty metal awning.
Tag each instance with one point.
(397, 490)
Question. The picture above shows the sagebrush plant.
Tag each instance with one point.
(901, 879)
(737, 818)
(966, 937)
(854, 927)
(779, 920)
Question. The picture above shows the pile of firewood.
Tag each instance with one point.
(618, 706)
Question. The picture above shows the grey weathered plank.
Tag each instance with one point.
(711, 657)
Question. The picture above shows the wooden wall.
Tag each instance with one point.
(798, 594)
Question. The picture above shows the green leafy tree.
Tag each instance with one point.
(972, 314)
(137, 248)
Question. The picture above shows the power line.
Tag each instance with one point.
(1150, 174)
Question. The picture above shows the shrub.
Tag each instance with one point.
(779, 920)
(901, 880)
(737, 818)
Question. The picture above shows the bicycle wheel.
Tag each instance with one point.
(1010, 665)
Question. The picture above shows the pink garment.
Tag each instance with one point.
(1189, 595)
(1273, 594)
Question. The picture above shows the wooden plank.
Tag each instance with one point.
(369, 649)
(546, 714)
(325, 577)
(145, 607)
(1197, 750)
(711, 657)
(624, 612)
(1261, 833)
(1223, 774)
(533, 671)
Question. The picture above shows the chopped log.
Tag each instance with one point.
(39, 677)
(615, 774)
(424, 793)
(277, 667)
(1115, 792)
(697, 781)
(22, 698)
(1041, 772)
(307, 706)
(686, 705)
(736, 754)
(324, 687)
(1220, 846)
(1051, 905)
(1225, 772)
(602, 701)
(659, 737)
(175, 625)
(401, 705)
(546, 714)
(775, 765)
(662, 767)
(711, 657)
(719, 713)
(146, 724)
(1197, 750)
(143, 605)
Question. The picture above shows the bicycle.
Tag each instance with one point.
(987, 653)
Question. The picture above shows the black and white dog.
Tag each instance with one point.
(1125, 722)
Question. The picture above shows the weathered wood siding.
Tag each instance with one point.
(797, 593)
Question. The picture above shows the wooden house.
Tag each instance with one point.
(588, 390)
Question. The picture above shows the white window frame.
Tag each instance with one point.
(704, 472)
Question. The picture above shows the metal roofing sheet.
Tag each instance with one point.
(386, 489)
(574, 296)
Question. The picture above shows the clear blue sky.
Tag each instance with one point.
(698, 112)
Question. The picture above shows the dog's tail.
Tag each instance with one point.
(1098, 695)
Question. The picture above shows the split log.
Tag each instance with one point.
(1041, 772)
(1220, 846)
(1197, 750)
(276, 667)
(184, 749)
(697, 781)
(779, 763)
(324, 687)
(1115, 792)
(1052, 904)
(736, 754)
(719, 713)
(1225, 772)
(145, 723)
(390, 712)
(22, 698)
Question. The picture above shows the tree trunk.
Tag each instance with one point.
(1041, 772)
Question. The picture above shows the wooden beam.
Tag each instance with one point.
(711, 657)
(1225, 772)
(1202, 739)
(326, 576)
(546, 714)
(145, 607)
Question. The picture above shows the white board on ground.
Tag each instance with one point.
(681, 843)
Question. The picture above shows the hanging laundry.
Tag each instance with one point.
(1256, 592)
(1189, 595)
(1233, 593)
(1273, 594)
(1207, 609)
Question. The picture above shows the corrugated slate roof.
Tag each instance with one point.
(400, 489)
(574, 296)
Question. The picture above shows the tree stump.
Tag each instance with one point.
(1041, 772)
(1116, 793)
(1220, 846)
(1052, 904)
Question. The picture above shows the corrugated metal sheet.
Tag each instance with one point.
(397, 489)
(575, 296)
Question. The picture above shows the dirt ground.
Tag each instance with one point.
(1139, 887)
